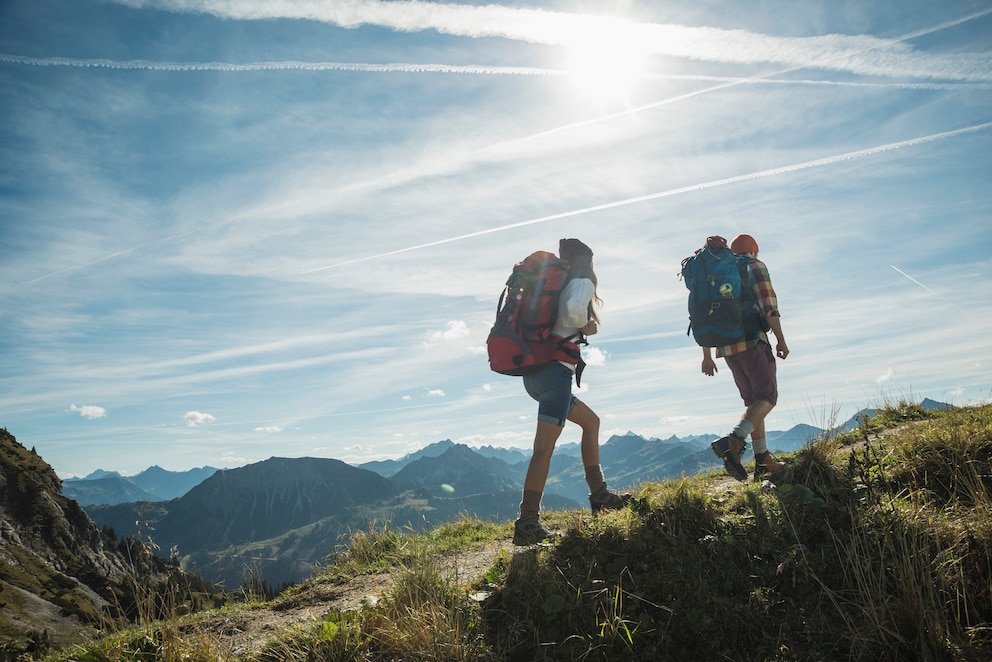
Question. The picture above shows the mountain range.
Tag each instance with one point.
(275, 519)
(152, 484)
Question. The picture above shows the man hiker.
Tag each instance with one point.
(753, 366)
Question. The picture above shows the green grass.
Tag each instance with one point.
(874, 545)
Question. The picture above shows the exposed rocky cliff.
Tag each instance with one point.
(61, 576)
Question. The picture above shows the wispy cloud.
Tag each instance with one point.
(866, 55)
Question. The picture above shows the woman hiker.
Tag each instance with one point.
(551, 386)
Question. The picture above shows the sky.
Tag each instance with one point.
(237, 230)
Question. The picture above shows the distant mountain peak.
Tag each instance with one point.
(100, 473)
(442, 445)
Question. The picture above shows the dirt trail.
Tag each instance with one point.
(245, 632)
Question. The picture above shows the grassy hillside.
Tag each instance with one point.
(876, 545)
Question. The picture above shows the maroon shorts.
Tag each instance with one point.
(754, 374)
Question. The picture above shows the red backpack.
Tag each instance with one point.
(520, 341)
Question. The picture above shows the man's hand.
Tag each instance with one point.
(781, 349)
(709, 366)
(590, 329)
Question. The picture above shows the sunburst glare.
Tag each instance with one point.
(608, 64)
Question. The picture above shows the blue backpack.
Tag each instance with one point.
(717, 302)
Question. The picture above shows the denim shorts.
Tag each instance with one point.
(551, 386)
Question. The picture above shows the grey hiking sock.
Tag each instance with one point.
(743, 429)
(594, 478)
(530, 506)
(759, 445)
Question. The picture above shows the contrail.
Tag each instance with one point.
(814, 82)
(816, 163)
(289, 65)
(926, 288)
(109, 256)
(912, 279)
(437, 68)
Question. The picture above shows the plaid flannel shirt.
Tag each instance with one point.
(766, 304)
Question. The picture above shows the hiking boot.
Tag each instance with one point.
(730, 449)
(765, 463)
(529, 530)
(603, 499)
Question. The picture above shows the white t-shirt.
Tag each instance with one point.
(573, 307)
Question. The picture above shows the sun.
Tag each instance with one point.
(606, 65)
